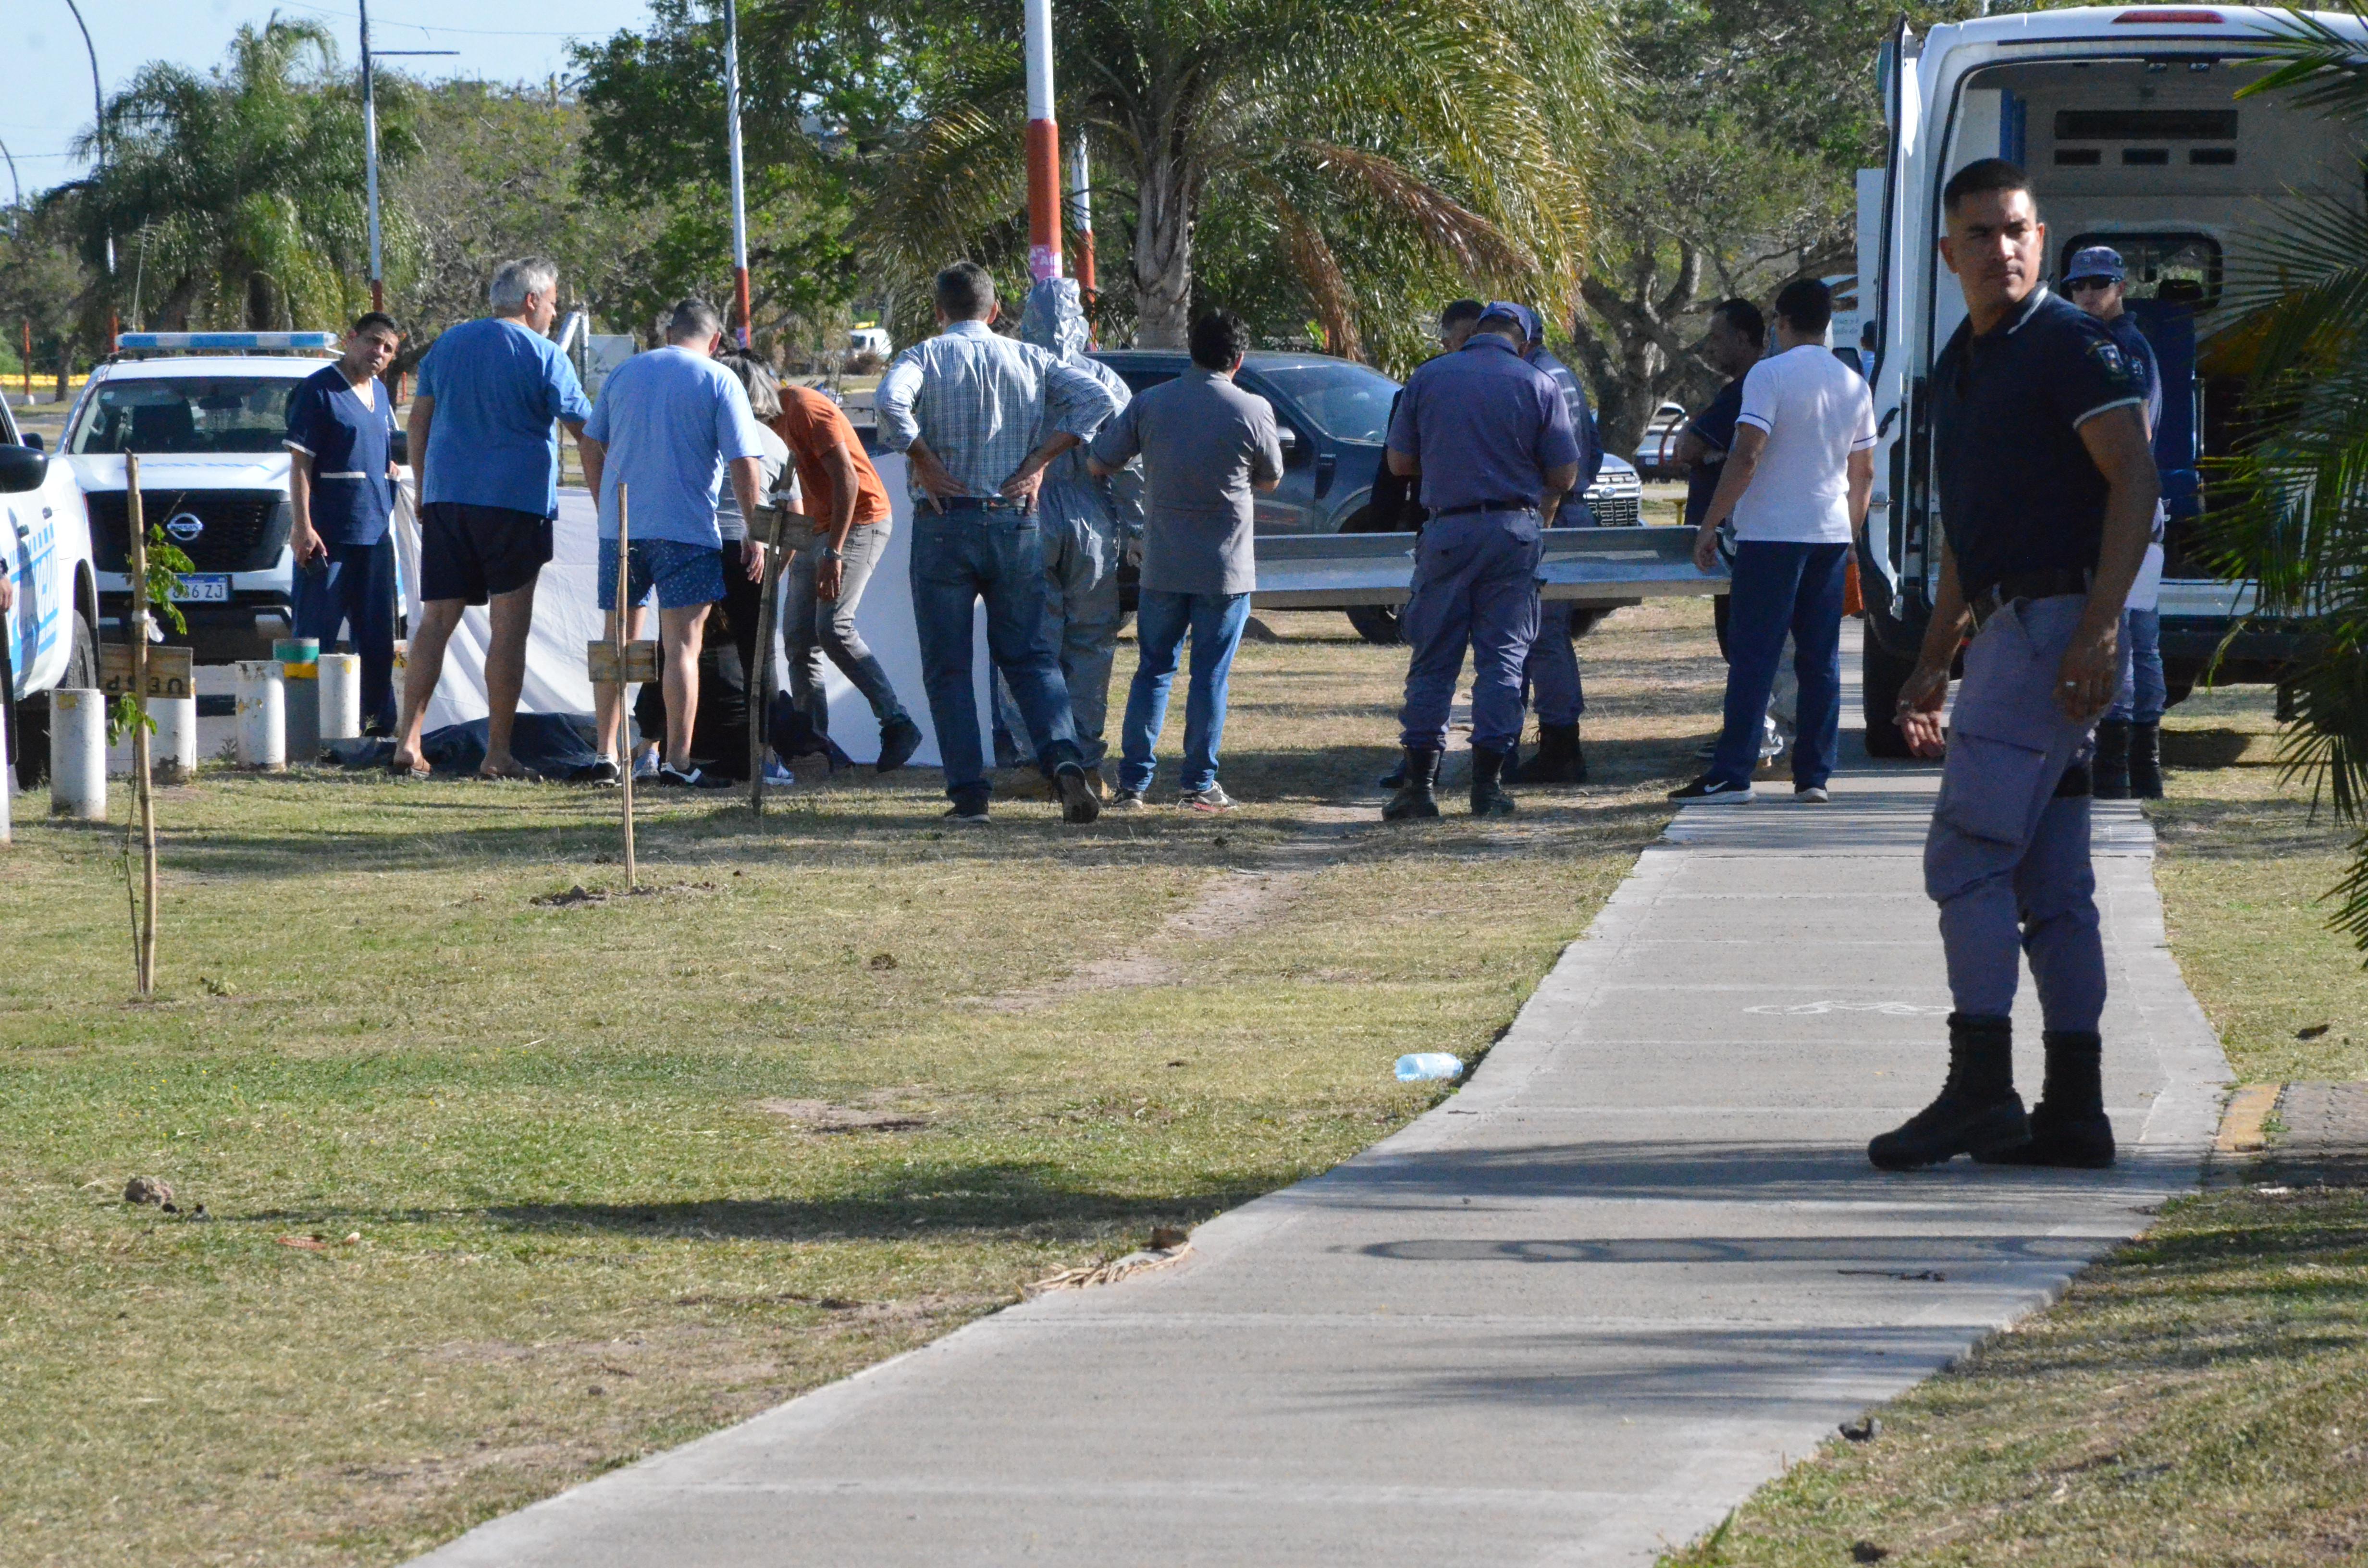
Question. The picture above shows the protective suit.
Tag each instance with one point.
(1088, 526)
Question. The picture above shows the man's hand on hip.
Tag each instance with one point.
(935, 483)
(1023, 485)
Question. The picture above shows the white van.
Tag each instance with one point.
(2128, 121)
(51, 639)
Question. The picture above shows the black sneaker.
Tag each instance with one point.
(1710, 791)
(970, 811)
(1078, 802)
(899, 739)
(673, 777)
(605, 772)
(1126, 800)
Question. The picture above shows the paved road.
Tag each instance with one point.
(1572, 1316)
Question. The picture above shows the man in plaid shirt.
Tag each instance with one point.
(978, 416)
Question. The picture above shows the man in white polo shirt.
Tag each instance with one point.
(1796, 484)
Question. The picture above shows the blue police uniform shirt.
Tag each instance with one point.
(1484, 425)
(498, 390)
(2018, 490)
(352, 497)
(1714, 427)
(1575, 512)
(671, 419)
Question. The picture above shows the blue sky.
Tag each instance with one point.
(45, 87)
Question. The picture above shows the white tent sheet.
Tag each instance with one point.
(567, 616)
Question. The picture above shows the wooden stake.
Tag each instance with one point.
(143, 791)
(624, 708)
(758, 682)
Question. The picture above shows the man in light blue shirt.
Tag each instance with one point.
(655, 449)
(979, 417)
(486, 455)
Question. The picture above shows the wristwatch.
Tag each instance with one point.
(828, 553)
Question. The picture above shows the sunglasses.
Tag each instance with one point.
(2089, 285)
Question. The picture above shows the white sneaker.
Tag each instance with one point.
(1812, 795)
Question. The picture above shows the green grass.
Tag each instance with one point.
(580, 1231)
(2201, 1398)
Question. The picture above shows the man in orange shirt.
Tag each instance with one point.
(848, 508)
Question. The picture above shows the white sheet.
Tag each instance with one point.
(567, 616)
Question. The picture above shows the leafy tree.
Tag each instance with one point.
(44, 284)
(236, 198)
(2300, 527)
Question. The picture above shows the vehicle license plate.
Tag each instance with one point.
(211, 590)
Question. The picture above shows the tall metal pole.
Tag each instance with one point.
(369, 162)
(739, 188)
(1043, 148)
(98, 130)
(15, 184)
(1081, 213)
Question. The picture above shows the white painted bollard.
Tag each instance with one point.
(262, 715)
(78, 754)
(341, 697)
(173, 749)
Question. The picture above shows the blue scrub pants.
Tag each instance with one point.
(355, 587)
(1161, 621)
(2143, 693)
(1475, 586)
(993, 552)
(1551, 670)
(2006, 859)
(1781, 587)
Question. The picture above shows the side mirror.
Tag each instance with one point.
(22, 469)
(1288, 438)
(36, 442)
(399, 448)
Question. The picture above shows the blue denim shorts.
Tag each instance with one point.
(683, 574)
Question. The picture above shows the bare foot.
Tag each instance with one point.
(507, 768)
(407, 765)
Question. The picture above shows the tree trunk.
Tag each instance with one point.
(1168, 198)
(1629, 342)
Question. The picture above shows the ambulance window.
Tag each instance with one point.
(2180, 267)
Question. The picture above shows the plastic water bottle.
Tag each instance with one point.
(1429, 1066)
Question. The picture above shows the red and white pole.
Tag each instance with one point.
(1081, 215)
(1043, 148)
(739, 187)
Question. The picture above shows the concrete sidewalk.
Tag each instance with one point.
(1574, 1315)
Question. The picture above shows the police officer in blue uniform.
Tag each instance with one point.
(2047, 492)
(1552, 669)
(1492, 439)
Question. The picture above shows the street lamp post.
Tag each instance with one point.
(369, 150)
(1081, 213)
(739, 186)
(98, 130)
(1043, 148)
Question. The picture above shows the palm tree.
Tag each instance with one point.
(2299, 528)
(237, 197)
(1354, 136)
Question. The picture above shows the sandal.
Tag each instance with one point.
(418, 768)
(517, 771)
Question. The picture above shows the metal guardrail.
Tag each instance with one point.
(1586, 566)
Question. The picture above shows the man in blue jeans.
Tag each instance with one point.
(1796, 484)
(1205, 444)
(979, 417)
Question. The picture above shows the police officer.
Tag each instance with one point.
(2047, 493)
(1492, 438)
(1552, 672)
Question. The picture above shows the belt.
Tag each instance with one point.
(2022, 585)
(1515, 506)
(978, 503)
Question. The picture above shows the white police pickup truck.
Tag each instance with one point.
(49, 637)
(206, 411)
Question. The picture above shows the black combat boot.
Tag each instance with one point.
(1415, 797)
(1978, 1111)
(2068, 1126)
(1557, 759)
(2110, 773)
(2145, 762)
(1488, 797)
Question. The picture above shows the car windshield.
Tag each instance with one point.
(202, 414)
(1349, 403)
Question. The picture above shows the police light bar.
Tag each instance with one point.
(200, 342)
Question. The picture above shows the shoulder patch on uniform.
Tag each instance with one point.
(2111, 360)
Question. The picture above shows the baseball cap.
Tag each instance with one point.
(2097, 261)
(1521, 316)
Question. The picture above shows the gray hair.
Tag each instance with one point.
(764, 392)
(692, 319)
(516, 279)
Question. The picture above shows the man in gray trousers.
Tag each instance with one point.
(2047, 488)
